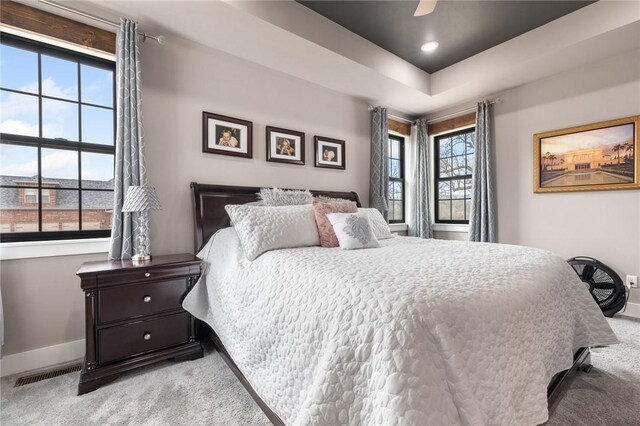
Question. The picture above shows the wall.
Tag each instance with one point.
(600, 224)
(43, 303)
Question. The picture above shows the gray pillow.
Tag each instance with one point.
(281, 197)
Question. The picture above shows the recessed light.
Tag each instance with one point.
(429, 46)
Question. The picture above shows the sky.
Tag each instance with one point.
(601, 138)
(19, 114)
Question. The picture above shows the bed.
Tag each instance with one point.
(415, 332)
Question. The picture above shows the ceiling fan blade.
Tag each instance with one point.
(425, 7)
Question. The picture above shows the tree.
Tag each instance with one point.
(552, 159)
(617, 148)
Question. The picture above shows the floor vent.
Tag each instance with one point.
(44, 375)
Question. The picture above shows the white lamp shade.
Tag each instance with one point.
(141, 199)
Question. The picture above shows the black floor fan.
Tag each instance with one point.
(605, 285)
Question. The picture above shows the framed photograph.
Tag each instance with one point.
(586, 158)
(227, 135)
(329, 153)
(285, 146)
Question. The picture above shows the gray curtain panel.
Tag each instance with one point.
(482, 223)
(379, 168)
(421, 217)
(130, 169)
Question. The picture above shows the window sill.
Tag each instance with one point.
(395, 227)
(34, 249)
(450, 227)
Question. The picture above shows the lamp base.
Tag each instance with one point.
(141, 258)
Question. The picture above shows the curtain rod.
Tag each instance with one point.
(371, 108)
(453, 114)
(159, 38)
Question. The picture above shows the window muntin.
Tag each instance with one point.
(396, 180)
(57, 145)
(453, 171)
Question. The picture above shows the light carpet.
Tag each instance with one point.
(205, 392)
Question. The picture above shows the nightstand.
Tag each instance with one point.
(134, 315)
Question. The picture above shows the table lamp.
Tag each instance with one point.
(141, 199)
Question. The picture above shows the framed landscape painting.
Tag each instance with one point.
(597, 156)
(227, 135)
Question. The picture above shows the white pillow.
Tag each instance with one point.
(353, 230)
(264, 228)
(378, 224)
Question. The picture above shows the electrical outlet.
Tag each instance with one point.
(632, 281)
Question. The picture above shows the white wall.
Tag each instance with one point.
(42, 299)
(600, 224)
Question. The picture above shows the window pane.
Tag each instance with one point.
(470, 141)
(394, 168)
(397, 210)
(97, 207)
(18, 164)
(459, 166)
(467, 188)
(457, 189)
(469, 161)
(444, 190)
(458, 144)
(19, 114)
(457, 207)
(97, 85)
(97, 170)
(444, 210)
(445, 167)
(468, 209)
(59, 78)
(59, 168)
(445, 147)
(16, 215)
(18, 69)
(59, 120)
(97, 125)
(394, 148)
(60, 213)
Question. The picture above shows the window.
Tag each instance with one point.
(396, 179)
(57, 147)
(453, 168)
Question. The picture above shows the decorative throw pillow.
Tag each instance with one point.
(325, 229)
(281, 197)
(261, 229)
(378, 223)
(353, 230)
(329, 199)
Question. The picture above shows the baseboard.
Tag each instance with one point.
(633, 310)
(41, 358)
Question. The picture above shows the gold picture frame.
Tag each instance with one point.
(593, 157)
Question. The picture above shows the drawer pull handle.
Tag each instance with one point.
(147, 336)
(147, 274)
(147, 299)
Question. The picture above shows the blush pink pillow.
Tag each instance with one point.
(325, 229)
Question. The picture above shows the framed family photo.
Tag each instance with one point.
(329, 153)
(599, 156)
(227, 135)
(285, 146)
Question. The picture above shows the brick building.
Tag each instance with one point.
(60, 204)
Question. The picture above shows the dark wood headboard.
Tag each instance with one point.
(209, 202)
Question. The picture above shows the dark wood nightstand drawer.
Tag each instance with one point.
(124, 341)
(132, 301)
(145, 275)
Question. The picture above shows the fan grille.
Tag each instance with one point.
(604, 284)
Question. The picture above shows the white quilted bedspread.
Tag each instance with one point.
(422, 332)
